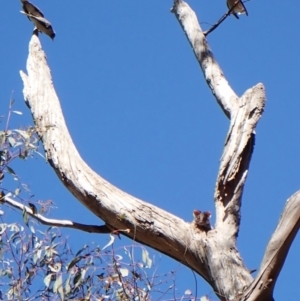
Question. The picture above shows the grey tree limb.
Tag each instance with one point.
(276, 252)
(148, 224)
(224, 94)
(244, 114)
(212, 254)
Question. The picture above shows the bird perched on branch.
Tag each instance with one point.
(237, 7)
(33, 208)
(201, 219)
(37, 18)
(43, 25)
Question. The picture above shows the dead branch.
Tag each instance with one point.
(276, 252)
(211, 253)
(55, 222)
(148, 224)
(225, 96)
(243, 113)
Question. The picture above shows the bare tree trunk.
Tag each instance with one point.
(211, 253)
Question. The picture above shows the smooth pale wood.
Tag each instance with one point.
(214, 254)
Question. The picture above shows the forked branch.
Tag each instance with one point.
(211, 253)
(244, 114)
(148, 224)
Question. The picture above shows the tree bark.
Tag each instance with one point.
(212, 254)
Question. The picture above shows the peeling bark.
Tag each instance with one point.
(211, 253)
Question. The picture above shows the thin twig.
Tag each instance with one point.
(222, 19)
(54, 222)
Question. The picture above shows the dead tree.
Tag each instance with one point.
(210, 252)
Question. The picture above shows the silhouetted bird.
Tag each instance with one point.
(43, 25)
(37, 18)
(33, 208)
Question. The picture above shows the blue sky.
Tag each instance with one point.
(142, 116)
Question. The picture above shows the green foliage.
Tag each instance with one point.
(16, 143)
(36, 264)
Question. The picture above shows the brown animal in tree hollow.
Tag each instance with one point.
(201, 219)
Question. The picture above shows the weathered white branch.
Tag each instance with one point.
(148, 224)
(212, 254)
(244, 113)
(54, 222)
(277, 250)
(212, 72)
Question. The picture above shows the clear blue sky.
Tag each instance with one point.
(142, 116)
